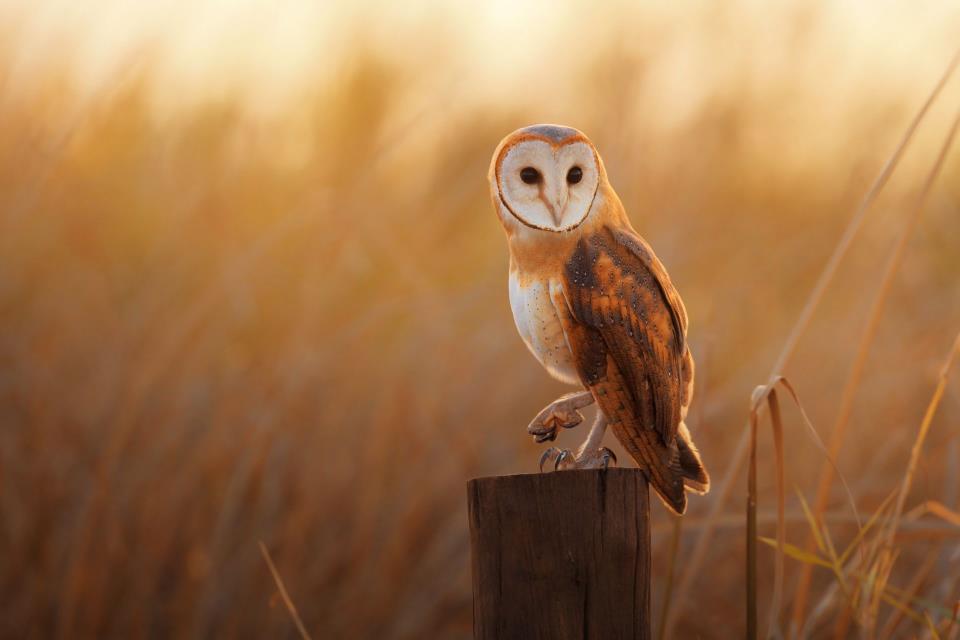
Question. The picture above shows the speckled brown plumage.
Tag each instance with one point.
(626, 328)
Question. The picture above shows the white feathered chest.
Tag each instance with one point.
(540, 327)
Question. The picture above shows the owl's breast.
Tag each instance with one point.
(539, 326)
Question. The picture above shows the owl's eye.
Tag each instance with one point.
(530, 175)
(575, 175)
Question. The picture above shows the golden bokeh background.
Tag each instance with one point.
(252, 289)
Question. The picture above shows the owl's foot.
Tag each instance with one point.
(564, 459)
(597, 459)
(563, 412)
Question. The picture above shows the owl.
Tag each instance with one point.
(597, 309)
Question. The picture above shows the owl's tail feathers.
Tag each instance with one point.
(671, 471)
(695, 476)
(672, 494)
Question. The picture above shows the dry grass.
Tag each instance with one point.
(218, 328)
(767, 394)
(869, 332)
(282, 589)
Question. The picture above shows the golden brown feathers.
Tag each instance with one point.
(627, 331)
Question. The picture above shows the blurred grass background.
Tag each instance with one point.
(252, 287)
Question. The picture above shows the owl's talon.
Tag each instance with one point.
(564, 459)
(552, 451)
(606, 455)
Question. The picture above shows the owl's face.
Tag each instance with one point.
(546, 177)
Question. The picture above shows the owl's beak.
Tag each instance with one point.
(560, 206)
(555, 201)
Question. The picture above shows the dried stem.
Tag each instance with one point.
(283, 593)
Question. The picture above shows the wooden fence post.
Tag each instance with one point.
(560, 555)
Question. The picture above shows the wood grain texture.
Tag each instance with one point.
(561, 555)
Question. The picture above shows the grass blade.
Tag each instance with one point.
(930, 626)
(768, 394)
(866, 528)
(797, 553)
(942, 511)
(814, 528)
(776, 424)
(752, 530)
(291, 608)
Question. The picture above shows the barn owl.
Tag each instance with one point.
(597, 309)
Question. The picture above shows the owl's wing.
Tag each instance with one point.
(626, 329)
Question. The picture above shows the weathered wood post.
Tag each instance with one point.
(560, 555)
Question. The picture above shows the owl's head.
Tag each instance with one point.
(545, 177)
